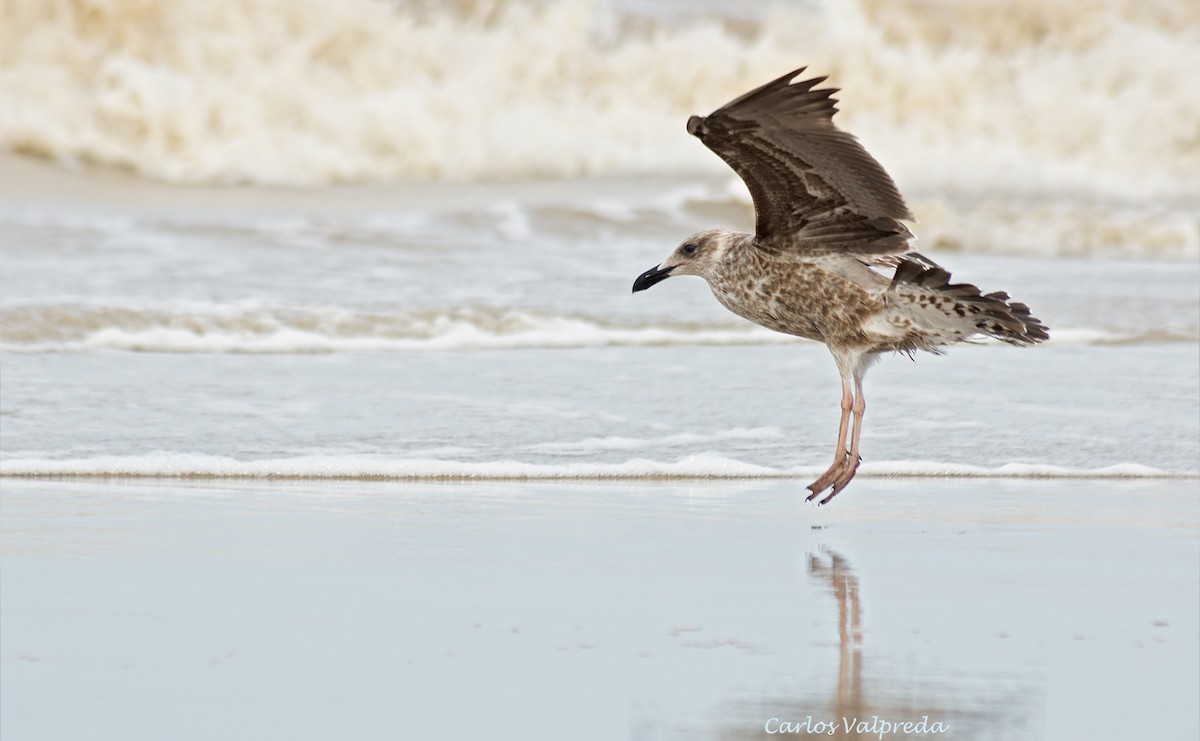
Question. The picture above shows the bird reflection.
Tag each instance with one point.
(836, 575)
(962, 707)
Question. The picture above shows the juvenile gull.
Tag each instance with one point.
(829, 259)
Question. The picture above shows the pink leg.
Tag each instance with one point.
(840, 456)
(853, 459)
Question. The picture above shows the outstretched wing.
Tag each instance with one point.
(815, 189)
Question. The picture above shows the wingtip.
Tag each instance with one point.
(791, 76)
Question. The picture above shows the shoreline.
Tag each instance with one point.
(1122, 472)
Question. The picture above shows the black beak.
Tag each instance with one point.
(650, 277)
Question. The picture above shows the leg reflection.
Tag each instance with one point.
(832, 571)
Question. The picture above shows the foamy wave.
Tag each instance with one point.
(1081, 336)
(1025, 96)
(976, 219)
(253, 329)
(702, 466)
(278, 330)
(182, 465)
(597, 444)
(1017, 226)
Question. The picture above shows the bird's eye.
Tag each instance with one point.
(689, 249)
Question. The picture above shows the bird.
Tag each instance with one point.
(830, 258)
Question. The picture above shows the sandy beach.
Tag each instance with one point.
(217, 609)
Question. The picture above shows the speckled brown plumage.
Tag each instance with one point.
(830, 259)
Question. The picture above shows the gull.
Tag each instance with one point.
(830, 259)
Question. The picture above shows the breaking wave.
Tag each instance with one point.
(703, 466)
(238, 329)
(1079, 96)
(266, 330)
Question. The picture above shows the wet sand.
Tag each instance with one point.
(1056, 609)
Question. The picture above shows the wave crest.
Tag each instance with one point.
(254, 329)
(282, 330)
(998, 94)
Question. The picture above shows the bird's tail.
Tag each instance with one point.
(955, 311)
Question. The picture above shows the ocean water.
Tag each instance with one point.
(494, 334)
(397, 239)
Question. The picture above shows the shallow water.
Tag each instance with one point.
(668, 411)
(1002, 609)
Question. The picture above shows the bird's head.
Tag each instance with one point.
(699, 255)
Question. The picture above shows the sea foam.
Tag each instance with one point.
(1074, 96)
(258, 329)
(250, 328)
(699, 466)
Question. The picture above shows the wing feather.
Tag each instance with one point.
(815, 188)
